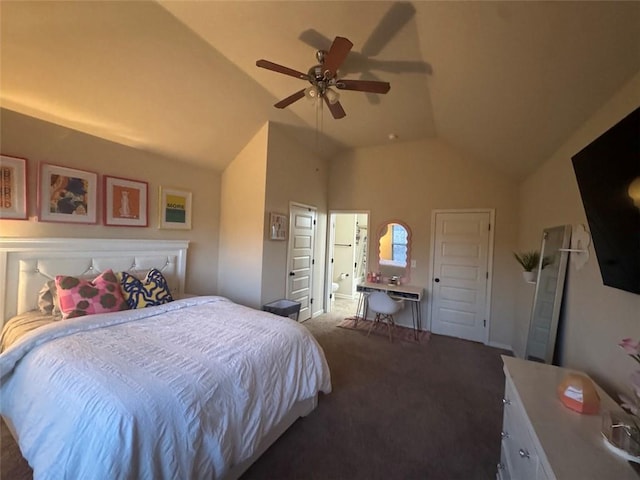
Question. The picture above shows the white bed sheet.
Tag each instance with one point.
(183, 390)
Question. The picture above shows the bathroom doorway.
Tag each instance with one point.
(347, 260)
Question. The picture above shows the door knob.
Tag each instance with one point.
(292, 274)
(437, 280)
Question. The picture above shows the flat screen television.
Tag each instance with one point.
(608, 176)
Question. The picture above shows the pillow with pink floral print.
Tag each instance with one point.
(78, 297)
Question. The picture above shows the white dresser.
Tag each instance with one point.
(542, 439)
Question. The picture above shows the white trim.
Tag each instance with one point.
(502, 346)
(328, 268)
(492, 229)
(330, 249)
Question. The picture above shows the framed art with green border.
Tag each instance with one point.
(174, 208)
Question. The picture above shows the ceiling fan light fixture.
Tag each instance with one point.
(324, 75)
(312, 93)
(332, 96)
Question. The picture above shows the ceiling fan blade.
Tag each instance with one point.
(373, 98)
(338, 52)
(363, 86)
(335, 108)
(290, 99)
(280, 69)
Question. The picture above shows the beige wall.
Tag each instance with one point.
(272, 171)
(39, 141)
(407, 181)
(242, 222)
(595, 317)
(294, 174)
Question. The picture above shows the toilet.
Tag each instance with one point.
(334, 289)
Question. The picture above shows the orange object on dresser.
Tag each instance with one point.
(578, 393)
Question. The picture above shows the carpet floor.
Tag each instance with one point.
(397, 411)
(401, 410)
(398, 333)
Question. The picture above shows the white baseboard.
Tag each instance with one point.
(344, 296)
(500, 345)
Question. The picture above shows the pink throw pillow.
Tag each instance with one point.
(78, 297)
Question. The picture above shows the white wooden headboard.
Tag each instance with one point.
(27, 263)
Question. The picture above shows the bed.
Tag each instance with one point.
(195, 388)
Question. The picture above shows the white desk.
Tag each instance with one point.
(411, 293)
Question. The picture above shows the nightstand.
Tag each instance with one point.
(283, 307)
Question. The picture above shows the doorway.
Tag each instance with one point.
(462, 255)
(346, 260)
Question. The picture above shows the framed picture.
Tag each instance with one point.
(175, 209)
(67, 195)
(125, 202)
(278, 227)
(13, 188)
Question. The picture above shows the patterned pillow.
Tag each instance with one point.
(154, 290)
(78, 297)
(48, 299)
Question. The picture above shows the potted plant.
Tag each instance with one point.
(529, 262)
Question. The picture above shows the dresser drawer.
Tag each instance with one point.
(544, 439)
(518, 446)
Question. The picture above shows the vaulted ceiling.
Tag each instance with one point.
(505, 83)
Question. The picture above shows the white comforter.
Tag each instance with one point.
(184, 390)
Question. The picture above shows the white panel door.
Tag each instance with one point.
(460, 275)
(300, 259)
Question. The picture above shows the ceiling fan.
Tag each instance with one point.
(323, 77)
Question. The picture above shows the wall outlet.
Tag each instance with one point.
(413, 264)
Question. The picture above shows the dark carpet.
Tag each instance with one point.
(381, 329)
(397, 411)
(427, 410)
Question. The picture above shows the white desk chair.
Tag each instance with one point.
(384, 307)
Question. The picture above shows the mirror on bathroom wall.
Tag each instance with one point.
(547, 299)
(394, 250)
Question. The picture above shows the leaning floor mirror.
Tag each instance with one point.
(545, 313)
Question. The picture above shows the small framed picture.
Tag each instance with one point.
(13, 188)
(67, 195)
(125, 202)
(278, 227)
(175, 209)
